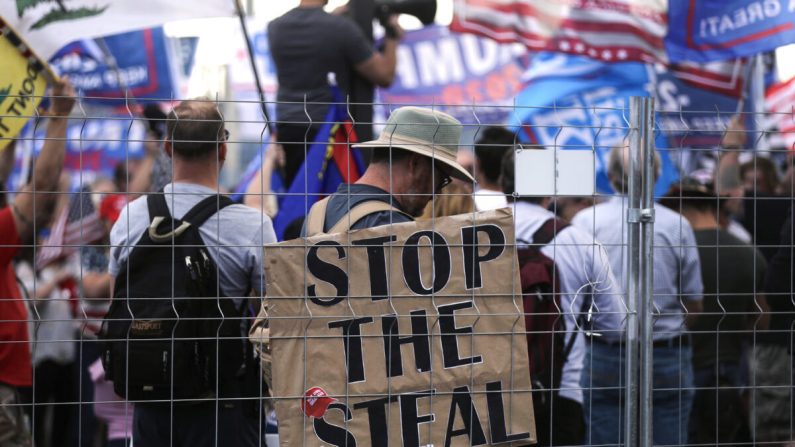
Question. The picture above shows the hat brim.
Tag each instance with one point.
(457, 172)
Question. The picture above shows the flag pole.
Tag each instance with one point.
(263, 105)
(110, 60)
(749, 70)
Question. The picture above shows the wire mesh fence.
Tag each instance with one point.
(610, 275)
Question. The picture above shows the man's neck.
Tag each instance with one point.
(200, 172)
(312, 3)
(379, 177)
(701, 220)
(487, 185)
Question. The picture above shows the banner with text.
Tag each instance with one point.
(146, 65)
(708, 30)
(472, 78)
(22, 86)
(409, 333)
(578, 103)
(46, 26)
(242, 86)
(93, 148)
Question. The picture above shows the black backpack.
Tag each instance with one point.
(170, 334)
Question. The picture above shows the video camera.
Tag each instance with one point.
(424, 10)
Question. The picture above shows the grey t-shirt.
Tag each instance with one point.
(306, 44)
(350, 195)
(234, 236)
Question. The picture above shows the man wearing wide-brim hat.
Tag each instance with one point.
(412, 159)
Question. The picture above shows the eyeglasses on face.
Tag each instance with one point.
(446, 177)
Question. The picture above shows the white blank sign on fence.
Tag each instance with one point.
(554, 172)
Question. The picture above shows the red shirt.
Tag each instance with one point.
(15, 363)
(111, 206)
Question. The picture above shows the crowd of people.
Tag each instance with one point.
(723, 309)
(77, 262)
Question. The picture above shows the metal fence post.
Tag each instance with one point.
(640, 219)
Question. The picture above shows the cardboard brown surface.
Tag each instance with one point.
(475, 339)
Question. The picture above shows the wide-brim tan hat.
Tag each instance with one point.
(424, 131)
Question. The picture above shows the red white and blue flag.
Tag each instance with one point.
(609, 30)
(77, 225)
(709, 30)
(780, 121)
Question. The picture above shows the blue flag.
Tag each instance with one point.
(577, 103)
(329, 162)
(142, 62)
(708, 30)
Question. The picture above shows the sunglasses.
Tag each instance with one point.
(446, 177)
(226, 134)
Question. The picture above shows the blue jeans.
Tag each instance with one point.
(603, 382)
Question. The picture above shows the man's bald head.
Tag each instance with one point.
(618, 168)
(195, 128)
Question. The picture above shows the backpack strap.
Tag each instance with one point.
(544, 235)
(205, 209)
(156, 202)
(316, 219)
(196, 216)
(360, 211)
(548, 231)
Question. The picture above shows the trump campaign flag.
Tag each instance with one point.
(146, 65)
(577, 103)
(470, 77)
(39, 28)
(708, 30)
(47, 25)
(616, 30)
(780, 121)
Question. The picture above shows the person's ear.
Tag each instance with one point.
(168, 149)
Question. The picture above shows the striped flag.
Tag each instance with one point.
(78, 224)
(780, 103)
(609, 30)
(724, 77)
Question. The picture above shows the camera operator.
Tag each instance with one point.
(307, 43)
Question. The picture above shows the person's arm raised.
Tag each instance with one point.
(40, 192)
(380, 67)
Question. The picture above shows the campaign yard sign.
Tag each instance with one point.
(408, 334)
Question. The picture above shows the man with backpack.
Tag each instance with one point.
(185, 260)
(568, 290)
(413, 159)
(677, 300)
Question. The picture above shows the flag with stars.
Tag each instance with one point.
(611, 31)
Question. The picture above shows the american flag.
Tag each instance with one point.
(780, 121)
(609, 30)
(78, 224)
